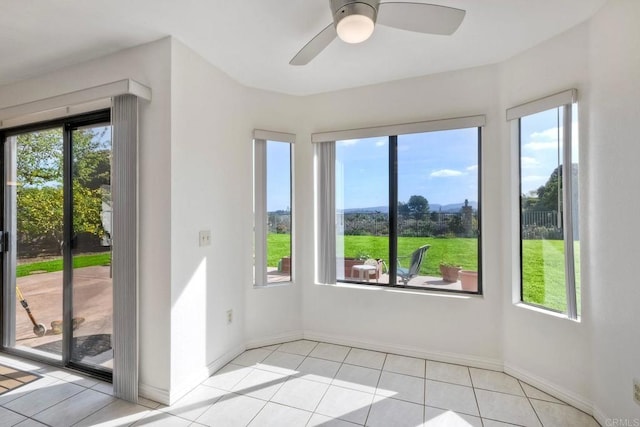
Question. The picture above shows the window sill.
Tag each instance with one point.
(398, 290)
(544, 311)
(273, 285)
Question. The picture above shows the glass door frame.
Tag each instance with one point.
(7, 298)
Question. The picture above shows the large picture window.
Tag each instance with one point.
(549, 198)
(273, 261)
(407, 210)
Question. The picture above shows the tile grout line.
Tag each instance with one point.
(269, 400)
(99, 409)
(529, 402)
(424, 395)
(475, 395)
(49, 407)
(295, 377)
(375, 392)
(323, 394)
(258, 413)
(503, 422)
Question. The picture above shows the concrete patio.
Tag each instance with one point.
(427, 282)
(93, 307)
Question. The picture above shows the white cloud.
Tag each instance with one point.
(538, 146)
(551, 135)
(472, 168)
(529, 162)
(381, 143)
(443, 173)
(548, 135)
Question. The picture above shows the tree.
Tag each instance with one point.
(547, 199)
(40, 183)
(39, 157)
(418, 206)
(403, 209)
(40, 212)
(548, 193)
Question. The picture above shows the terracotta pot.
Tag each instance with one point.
(469, 280)
(449, 273)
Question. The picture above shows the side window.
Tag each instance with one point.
(549, 203)
(273, 256)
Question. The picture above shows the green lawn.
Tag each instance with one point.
(56, 264)
(543, 273)
(458, 251)
(543, 260)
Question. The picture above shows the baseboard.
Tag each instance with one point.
(223, 360)
(275, 339)
(403, 350)
(153, 393)
(552, 389)
(203, 373)
(600, 416)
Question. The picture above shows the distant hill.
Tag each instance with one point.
(450, 208)
(454, 207)
(375, 209)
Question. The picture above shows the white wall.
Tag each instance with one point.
(530, 336)
(442, 326)
(211, 186)
(150, 65)
(614, 73)
(208, 130)
(274, 313)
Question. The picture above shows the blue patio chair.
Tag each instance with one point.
(406, 274)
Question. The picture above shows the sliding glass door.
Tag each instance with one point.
(92, 321)
(33, 224)
(57, 287)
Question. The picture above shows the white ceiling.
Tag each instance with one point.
(253, 40)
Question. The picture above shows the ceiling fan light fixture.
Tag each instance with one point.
(355, 22)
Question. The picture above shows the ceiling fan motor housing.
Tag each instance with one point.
(343, 8)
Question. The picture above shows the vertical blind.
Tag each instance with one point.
(260, 211)
(326, 203)
(124, 118)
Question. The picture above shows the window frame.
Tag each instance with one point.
(260, 215)
(392, 132)
(514, 115)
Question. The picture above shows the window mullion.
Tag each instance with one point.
(393, 209)
(567, 220)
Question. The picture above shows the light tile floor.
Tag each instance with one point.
(300, 383)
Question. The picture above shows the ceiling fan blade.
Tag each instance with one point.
(315, 46)
(420, 17)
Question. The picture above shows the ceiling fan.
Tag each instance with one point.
(354, 21)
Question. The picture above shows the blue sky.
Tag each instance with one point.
(441, 166)
(539, 147)
(278, 176)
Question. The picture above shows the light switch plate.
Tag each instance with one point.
(205, 237)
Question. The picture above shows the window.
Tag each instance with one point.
(406, 207)
(273, 261)
(549, 198)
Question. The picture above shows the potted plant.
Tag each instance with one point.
(449, 271)
(469, 280)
